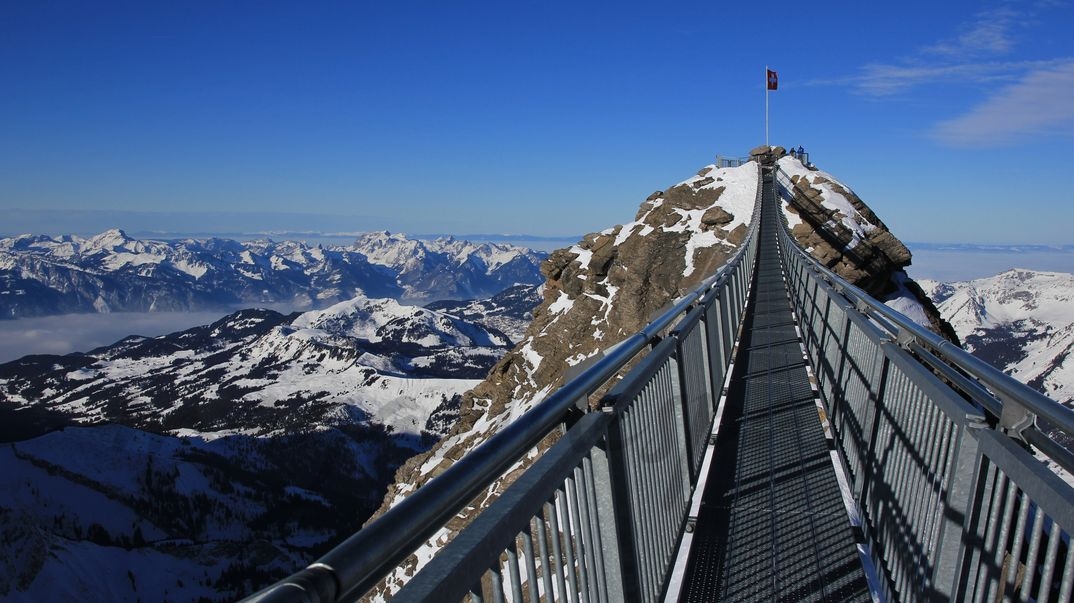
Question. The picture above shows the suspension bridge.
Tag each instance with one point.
(784, 436)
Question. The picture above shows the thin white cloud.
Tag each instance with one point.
(887, 80)
(1042, 103)
(973, 56)
(988, 33)
(1025, 99)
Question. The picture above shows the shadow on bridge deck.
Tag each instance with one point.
(772, 524)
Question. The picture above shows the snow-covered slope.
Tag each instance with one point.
(207, 463)
(110, 513)
(111, 272)
(1020, 321)
(509, 311)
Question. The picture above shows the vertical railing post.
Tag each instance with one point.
(682, 422)
(728, 325)
(620, 482)
(716, 360)
(950, 563)
(608, 508)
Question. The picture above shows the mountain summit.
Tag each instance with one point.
(611, 283)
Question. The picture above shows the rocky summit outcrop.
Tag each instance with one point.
(831, 222)
(611, 283)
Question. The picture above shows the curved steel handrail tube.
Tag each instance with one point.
(454, 575)
(359, 562)
(1001, 384)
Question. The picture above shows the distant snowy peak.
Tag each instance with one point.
(387, 249)
(377, 320)
(111, 271)
(111, 240)
(1020, 321)
(395, 250)
(1015, 294)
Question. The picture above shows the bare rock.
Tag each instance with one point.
(684, 196)
(716, 216)
(891, 247)
(738, 235)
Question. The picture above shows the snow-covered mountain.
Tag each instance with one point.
(207, 463)
(1020, 321)
(112, 272)
(609, 285)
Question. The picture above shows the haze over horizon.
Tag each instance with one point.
(549, 119)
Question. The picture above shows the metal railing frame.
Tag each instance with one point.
(953, 506)
(598, 469)
(934, 441)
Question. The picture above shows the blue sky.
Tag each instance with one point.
(953, 120)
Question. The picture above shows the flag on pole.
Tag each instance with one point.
(773, 80)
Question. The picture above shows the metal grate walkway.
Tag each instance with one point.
(772, 524)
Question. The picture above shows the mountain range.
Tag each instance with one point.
(203, 464)
(112, 272)
(206, 463)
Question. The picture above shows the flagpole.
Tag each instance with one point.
(766, 105)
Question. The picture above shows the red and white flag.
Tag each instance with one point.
(773, 80)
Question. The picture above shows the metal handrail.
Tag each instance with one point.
(359, 562)
(945, 499)
(1003, 386)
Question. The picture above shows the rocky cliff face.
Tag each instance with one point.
(611, 283)
(843, 233)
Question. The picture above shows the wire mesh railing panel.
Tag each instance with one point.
(647, 448)
(697, 393)
(1019, 536)
(906, 491)
(547, 538)
(854, 407)
(718, 360)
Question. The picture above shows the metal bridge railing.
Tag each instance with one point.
(726, 162)
(598, 516)
(953, 504)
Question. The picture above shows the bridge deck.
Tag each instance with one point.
(772, 524)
